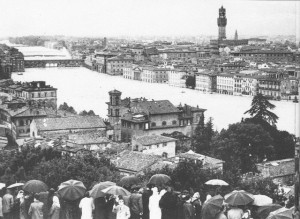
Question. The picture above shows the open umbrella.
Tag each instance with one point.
(71, 190)
(261, 200)
(216, 182)
(35, 186)
(2, 185)
(159, 179)
(15, 185)
(96, 192)
(212, 207)
(281, 213)
(128, 181)
(239, 197)
(116, 190)
(264, 211)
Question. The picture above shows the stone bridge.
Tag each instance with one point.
(53, 63)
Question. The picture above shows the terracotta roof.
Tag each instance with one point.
(80, 122)
(154, 139)
(135, 161)
(154, 107)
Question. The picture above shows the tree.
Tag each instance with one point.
(66, 107)
(259, 110)
(242, 145)
(86, 168)
(190, 82)
(85, 113)
(203, 136)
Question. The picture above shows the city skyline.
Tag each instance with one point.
(133, 17)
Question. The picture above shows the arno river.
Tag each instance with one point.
(86, 89)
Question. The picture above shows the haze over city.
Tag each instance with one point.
(147, 17)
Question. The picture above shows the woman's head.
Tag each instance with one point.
(154, 189)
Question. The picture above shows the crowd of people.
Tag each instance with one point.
(143, 203)
(151, 202)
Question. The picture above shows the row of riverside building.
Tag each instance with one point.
(274, 83)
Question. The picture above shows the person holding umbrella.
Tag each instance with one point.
(235, 213)
(55, 208)
(135, 203)
(121, 210)
(168, 204)
(87, 206)
(36, 208)
(7, 204)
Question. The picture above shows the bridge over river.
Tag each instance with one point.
(43, 63)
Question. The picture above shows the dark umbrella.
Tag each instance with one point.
(239, 197)
(212, 207)
(96, 192)
(159, 179)
(264, 211)
(116, 190)
(71, 190)
(35, 186)
(128, 181)
(281, 213)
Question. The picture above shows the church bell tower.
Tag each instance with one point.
(222, 22)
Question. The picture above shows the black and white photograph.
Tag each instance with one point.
(149, 109)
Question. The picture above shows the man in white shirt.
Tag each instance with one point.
(235, 213)
(87, 206)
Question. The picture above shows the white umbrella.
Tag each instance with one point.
(2, 185)
(15, 185)
(261, 200)
(216, 182)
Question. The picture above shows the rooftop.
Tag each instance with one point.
(154, 107)
(154, 139)
(80, 122)
(135, 161)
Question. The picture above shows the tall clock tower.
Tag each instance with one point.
(222, 22)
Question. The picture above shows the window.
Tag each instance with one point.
(164, 144)
(32, 95)
(39, 94)
(164, 123)
(45, 94)
(153, 124)
(174, 122)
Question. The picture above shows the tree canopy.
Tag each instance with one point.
(242, 145)
(260, 109)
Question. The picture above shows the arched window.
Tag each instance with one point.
(153, 124)
(174, 122)
(164, 123)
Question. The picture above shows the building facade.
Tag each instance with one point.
(177, 77)
(206, 82)
(225, 84)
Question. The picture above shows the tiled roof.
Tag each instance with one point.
(88, 138)
(135, 161)
(14, 112)
(154, 139)
(207, 161)
(79, 122)
(32, 112)
(154, 107)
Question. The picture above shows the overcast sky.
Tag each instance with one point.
(145, 17)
